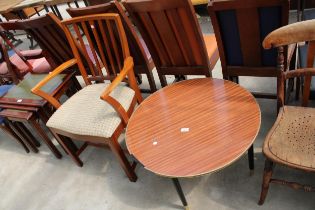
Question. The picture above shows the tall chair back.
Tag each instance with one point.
(240, 27)
(143, 63)
(172, 34)
(48, 33)
(102, 36)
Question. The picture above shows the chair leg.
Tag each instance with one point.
(151, 82)
(162, 80)
(119, 153)
(266, 181)
(251, 159)
(46, 139)
(68, 150)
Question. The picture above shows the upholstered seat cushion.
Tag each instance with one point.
(86, 114)
(292, 138)
(40, 65)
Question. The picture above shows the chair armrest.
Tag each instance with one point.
(293, 33)
(127, 70)
(37, 89)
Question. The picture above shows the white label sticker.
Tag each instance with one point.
(155, 143)
(19, 101)
(184, 130)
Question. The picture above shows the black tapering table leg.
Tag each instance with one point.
(180, 192)
(251, 159)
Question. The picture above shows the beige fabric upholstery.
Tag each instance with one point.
(290, 34)
(292, 137)
(86, 114)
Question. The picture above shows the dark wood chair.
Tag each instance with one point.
(47, 31)
(23, 61)
(98, 113)
(240, 26)
(173, 36)
(7, 70)
(290, 142)
(138, 50)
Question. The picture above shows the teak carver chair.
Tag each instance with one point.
(143, 63)
(98, 113)
(291, 140)
(173, 36)
(240, 26)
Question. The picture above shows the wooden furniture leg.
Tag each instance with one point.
(6, 128)
(119, 153)
(46, 139)
(29, 140)
(266, 181)
(68, 150)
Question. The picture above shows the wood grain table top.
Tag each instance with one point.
(193, 127)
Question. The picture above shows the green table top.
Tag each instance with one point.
(22, 91)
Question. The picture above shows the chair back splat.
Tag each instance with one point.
(143, 63)
(48, 33)
(240, 26)
(173, 36)
(102, 36)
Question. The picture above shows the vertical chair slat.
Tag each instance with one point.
(153, 34)
(91, 46)
(108, 50)
(113, 43)
(99, 45)
(179, 33)
(195, 47)
(82, 46)
(163, 27)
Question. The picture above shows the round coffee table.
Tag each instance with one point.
(192, 128)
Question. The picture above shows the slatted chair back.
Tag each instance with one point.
(141, 62)
(6, 64)
(47, 32)
(109, 50)
(240, 27)
(172, 34)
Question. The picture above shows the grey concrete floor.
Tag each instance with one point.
(41, 182)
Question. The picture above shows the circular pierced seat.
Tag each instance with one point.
(292, 138)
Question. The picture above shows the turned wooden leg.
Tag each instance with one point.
(251, 159)
(119, 153)
(266, 181)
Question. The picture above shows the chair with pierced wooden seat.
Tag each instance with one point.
(173, 36)
(98, 113)
(291, 140)
(138, 50)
